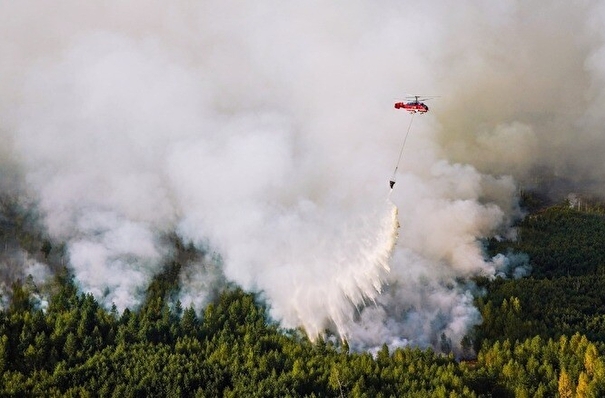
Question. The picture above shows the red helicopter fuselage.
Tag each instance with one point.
(412, 107)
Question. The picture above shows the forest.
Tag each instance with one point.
(542, 335)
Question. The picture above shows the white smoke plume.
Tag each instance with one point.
(265, 131)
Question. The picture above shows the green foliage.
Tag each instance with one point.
(233, 350)
(561, 241)
(541, 336)
(537, 367)
(563, 296)
(526, 350)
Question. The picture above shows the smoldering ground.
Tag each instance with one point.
(266, 132)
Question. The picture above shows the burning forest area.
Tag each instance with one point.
(209, 186)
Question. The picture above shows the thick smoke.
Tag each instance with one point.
(264, 132)
(528, 83)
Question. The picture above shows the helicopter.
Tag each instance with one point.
(414, 104)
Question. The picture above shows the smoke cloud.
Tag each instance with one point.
(264, 132)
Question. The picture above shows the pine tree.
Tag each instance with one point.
(565, 385)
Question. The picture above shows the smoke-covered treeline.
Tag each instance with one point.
(263, 134)
(76, 347)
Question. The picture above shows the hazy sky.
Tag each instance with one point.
(265, 132)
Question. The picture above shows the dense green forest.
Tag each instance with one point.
(541, 335)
